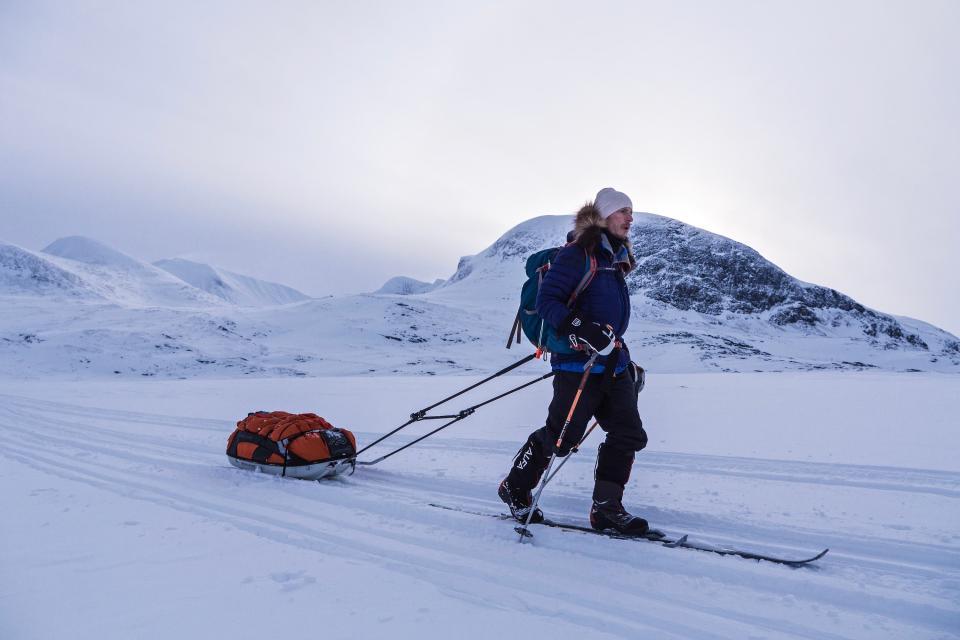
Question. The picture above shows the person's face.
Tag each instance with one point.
(618, 222)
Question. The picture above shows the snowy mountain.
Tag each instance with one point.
(231, 287)
(23, 272)
(404, 286)
(702, 298)
(90, 251)
(84, 309)
(688, 268)
(701, 302)
(118, 278)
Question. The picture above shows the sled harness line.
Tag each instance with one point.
(455, 417)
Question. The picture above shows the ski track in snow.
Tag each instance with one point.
(876, 581)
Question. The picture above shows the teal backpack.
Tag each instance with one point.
(541, 334)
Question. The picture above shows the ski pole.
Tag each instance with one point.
(455, 418)
(573, 450)
(638, 386)
(421, 415)
(524, 533)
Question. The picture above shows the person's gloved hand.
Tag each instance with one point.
(591, 335)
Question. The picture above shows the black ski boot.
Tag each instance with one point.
(607, 511)
(605, 515)
(519, 503)
(527, 468)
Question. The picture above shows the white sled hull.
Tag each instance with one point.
(305, 472)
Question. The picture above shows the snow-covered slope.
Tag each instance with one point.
(404, 286)
(90, 251)
(23, 272)
(231, 287)
(121, 279)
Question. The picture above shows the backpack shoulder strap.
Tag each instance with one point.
(589, 271)
(515, 331)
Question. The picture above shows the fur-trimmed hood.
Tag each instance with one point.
(588, 228)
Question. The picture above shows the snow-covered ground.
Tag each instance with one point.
(120, 382)
(123, 518)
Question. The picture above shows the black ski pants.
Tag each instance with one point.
(615, 407)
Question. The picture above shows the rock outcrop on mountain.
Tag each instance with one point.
(720, 296)
(688, 268)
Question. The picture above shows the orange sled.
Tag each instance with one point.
(296, 445)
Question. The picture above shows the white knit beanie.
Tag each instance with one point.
(609, 201)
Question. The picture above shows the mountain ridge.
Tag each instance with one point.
(691, 269)
(231, 287)
(726, 311)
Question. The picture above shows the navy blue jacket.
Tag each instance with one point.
(606, 300)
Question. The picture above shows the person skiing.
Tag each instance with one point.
(601, 314)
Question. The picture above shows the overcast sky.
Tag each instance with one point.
(331, 145)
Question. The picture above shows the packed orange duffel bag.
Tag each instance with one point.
(298, 445)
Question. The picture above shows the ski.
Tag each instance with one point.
(653, 535)
(749, 555)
